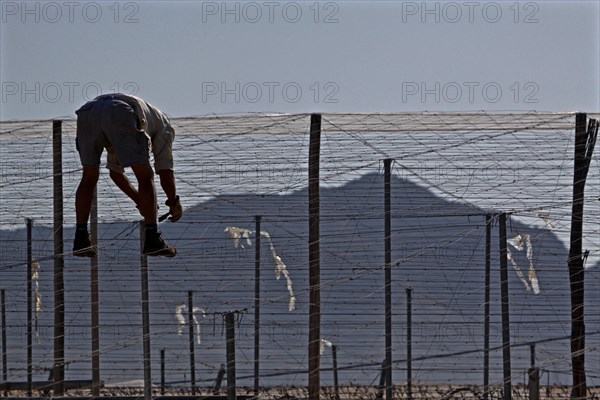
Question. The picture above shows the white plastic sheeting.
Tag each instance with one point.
(520, 243)
(181, 320)
(324, 343)
(35, 277)
(237, 234)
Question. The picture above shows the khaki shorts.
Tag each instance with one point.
(112, 123)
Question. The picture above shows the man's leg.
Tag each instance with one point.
(85, 193)
(123, 183)
(83, 205)
(117, 174)
(154, 245)
(146, 192)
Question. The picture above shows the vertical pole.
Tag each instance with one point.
(336, 384)
(505, 309)
(575, 263)
(409, 343)
(388, 276)
(95, 299)
(4, 340)
(145, 317)
(29, 309)
(191, 341)
(257, 219)
(381, 387)
(59, 262)
(162, 371)
(314, 264)
(534, 377)
(230, 335)
(486, 318)
(219, 380)
(532, 354)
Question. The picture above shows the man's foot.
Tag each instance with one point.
(82, 246)
(155, 246)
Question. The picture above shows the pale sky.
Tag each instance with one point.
(196, 58)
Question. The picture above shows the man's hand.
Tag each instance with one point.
(174, 209)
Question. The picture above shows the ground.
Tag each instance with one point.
(433, 392)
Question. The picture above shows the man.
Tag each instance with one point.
(129, 128)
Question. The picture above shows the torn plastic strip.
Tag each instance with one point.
(322, 345)
(546, 219)
(35, 277)
(520, 243)
(518, 270)
(292, 303)
(237, 234)
(197, 323)
(281, 268)
(532, 273)
(181, 320)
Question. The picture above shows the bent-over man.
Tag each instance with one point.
(130, 129)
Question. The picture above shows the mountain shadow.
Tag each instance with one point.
(438, 253)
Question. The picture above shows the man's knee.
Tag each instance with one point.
(114, 175)
(90, 175)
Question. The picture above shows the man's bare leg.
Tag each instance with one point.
(146, 192)
(123, 183)
(83, 204)
(154, 244)
(85, 193)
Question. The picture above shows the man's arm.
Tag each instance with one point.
(167, 182)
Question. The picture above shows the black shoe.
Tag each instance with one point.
(155, 246)
(82, 245)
